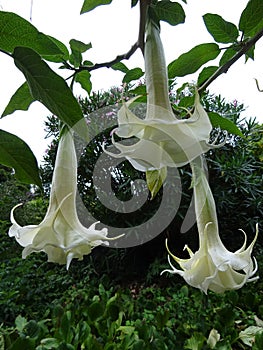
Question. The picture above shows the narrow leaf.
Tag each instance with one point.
(155, 179)
(223, 123)
(192, 60)
(251, 19)
(221, 30)
(50, 89)
(15, 153)
(170, 12)
(16, 31)
(21, 100)
(133, 74)
(83, 78)
(89, 5)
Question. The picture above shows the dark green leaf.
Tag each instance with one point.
(120, 66)
(79, 46)
(221, 30)
(16, 154)
(155, 180)
(228, 54)
(50, 89)
(251, 19)
(206, 73)
(95, 310)
(134, 3)
(170, 12)
(89, 5)
(83, 78)
(21, 100)
(225, 124)
(133, 74)
(16, 31)
(61, 46)
(192, 60)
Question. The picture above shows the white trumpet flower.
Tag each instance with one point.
(213, 267)
(162, 139)
(60, 235)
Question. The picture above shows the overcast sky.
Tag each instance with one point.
(112, 30)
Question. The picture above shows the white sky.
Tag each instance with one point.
(112, 30)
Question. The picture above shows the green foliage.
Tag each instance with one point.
(170, 12)
(251, 19)
(21, 100)
(49, 88)
(221, 30)
(89, 5)
(192, 60)
(15, 153)
(16, 31)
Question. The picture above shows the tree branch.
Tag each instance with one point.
(228, 64)
(144, 4)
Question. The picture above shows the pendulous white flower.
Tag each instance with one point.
(213, 267)
(162, 138)
(60, 235)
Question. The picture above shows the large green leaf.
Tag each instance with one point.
(251, 19)
(15, 153)
(225, 124)
(16, 31)
(170, 12)
(132, 74)
(21, 100)
(221, 30)
(50, 89)
(192, 60)
(89, 5)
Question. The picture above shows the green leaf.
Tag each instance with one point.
(133, 74)
(227, 55)
(79, 46)
(61, 46)
(95, 310)
(89, 5)
(155, 180)
(221, 30)
(21, 100)
(206, 73)
(134, 3)
(223, 123)
(15, 153)
(139, 90)
(20, 323)
(16, 31)
(248, 335)
(192, 60)
(251, 19)
(121, 67)
(170, 12)
(83, 78)
(50, 89)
